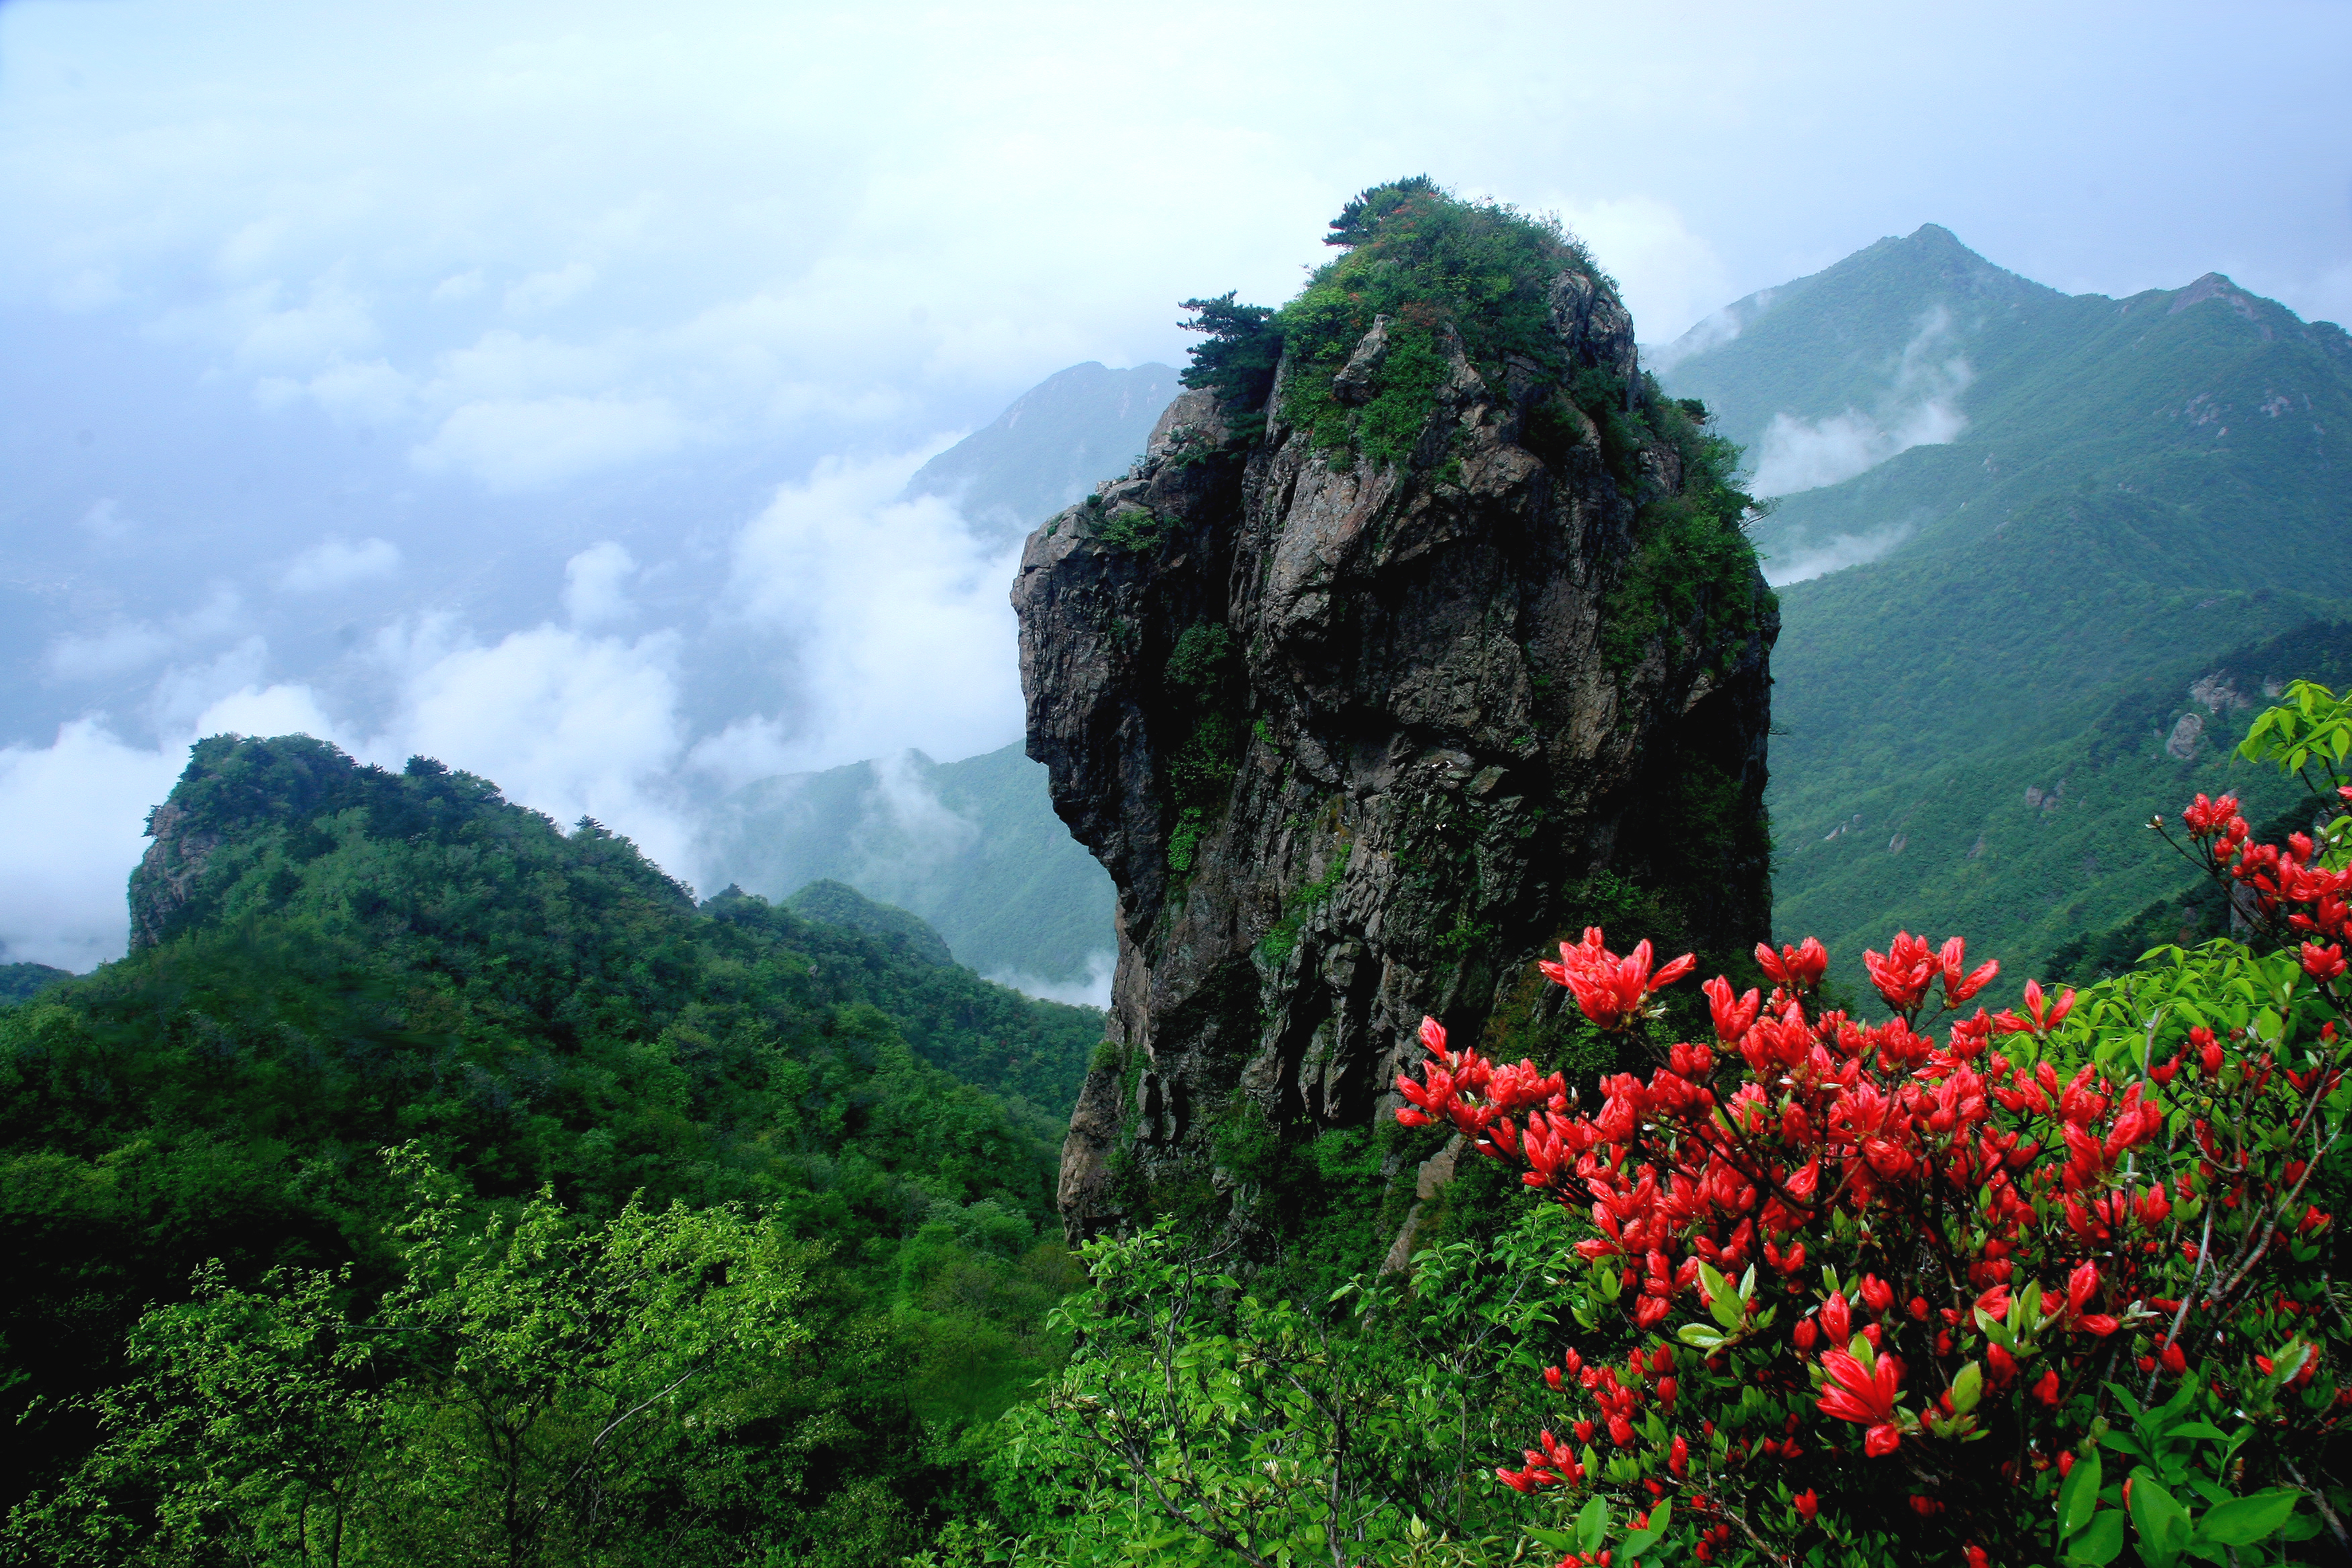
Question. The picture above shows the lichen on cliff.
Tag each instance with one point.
(1442, 635)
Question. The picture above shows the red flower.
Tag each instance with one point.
(1866, 1399)
(1959, 987)
(1809, 1503)
(2046, 1390)
(2039, 1022)
(1795, 968)
(1609, 990)
(1903, 972)
(2323, 964)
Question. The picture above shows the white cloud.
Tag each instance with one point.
(332, 563)
(898, 618)
(546, 291)
(519, 445)
(1094, 991)
(281, 710)
(1711, 330)
(63, 888)
(1801, 560)
(95, 656)
(1920, 407)
(457, 287)
(366, 393)
(90, 793)
(128, 645)
(186, 692)
(593, 592)
(331, 324)
(570, 724)
(104, 519)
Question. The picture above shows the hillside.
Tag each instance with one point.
(2126, 497)
(334, 959)
(971, 847)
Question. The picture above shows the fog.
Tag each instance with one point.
(535, 386)
(1918, 407)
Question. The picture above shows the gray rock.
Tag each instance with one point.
(1353, 385)
(167, 874)
(1429, 757)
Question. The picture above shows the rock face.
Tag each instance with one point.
(1352, 741)
(167, 874)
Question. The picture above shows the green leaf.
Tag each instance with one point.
(2078, 1494)
(2243, 1521)
(2102, 1544)
(1640, 1541)
(1967, 1388)
(1592, 1527)
(1721, 1299)
(2162, 1522)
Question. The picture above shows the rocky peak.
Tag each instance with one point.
(1366, 692)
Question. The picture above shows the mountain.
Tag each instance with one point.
(2023, 538)
(973, 847)
(20, 981)
(904, 934)
(1375, 677)
(331, 960)
(1050, 447)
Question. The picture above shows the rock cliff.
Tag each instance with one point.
(1368, 684)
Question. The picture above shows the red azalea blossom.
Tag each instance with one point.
(2009, 1212)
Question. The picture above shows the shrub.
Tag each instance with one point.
(2048, 1278)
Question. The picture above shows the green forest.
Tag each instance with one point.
(464, 1132)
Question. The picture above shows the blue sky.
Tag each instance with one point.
(532, 384)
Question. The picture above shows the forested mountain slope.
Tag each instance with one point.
(2136, 495)
(973, 847)
(334, 959)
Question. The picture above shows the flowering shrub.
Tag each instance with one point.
(1850, 1279)
(2045, 1285)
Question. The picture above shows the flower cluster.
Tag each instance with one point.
(1819, 1243)
(2287, 890)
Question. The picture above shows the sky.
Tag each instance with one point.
(533, 385)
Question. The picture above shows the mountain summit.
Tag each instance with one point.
(1423, 636)
(2020, 534)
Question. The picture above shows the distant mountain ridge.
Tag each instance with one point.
(1051, 447)
(2121, 492)
(971, 847)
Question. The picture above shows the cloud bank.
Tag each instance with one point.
(891, 618)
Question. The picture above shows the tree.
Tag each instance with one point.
(535, 1388)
